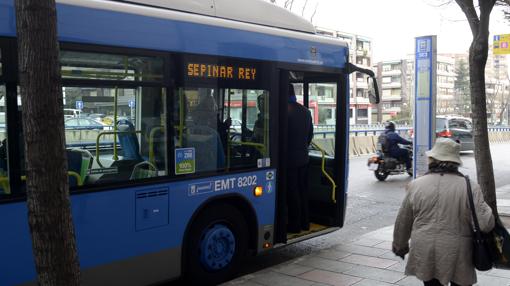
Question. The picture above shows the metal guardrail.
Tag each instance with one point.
(376, 129)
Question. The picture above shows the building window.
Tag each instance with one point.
(362, 112)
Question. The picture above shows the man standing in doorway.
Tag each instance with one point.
(300, 134)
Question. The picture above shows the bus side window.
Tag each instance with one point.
(249, 135)
(199, 126)
(119, 131)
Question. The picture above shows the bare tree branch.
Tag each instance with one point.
(469, 10)
(315, 11)
(304, 7)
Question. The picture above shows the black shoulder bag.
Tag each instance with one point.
(482, 255)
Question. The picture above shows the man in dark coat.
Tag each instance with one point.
(300, 134)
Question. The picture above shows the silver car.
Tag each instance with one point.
(457, 128)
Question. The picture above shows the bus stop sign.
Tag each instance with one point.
(79, 104)
(425, 102)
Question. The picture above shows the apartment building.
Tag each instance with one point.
(360, 53)
(392, 77)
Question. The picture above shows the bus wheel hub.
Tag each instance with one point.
(217, 247)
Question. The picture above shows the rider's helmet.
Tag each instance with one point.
(390, 125)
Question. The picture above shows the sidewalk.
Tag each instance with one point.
(368, 261)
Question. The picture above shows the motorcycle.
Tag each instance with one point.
(383, 165)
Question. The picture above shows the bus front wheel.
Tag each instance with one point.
(217, 244)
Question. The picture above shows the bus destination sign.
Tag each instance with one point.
(214, 71)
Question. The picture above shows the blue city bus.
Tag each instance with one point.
(176, 139)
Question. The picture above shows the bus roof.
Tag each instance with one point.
(251, 11)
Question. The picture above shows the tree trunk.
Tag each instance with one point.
(49, 211)
(478, 53)
(484, 169)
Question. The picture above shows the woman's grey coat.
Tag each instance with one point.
(436, 216)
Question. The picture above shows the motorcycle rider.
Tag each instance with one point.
(392, 141)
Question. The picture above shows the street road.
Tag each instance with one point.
(372, 205)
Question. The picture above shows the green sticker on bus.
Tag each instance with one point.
(184, 161)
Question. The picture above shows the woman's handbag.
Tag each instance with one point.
(482, 250)
(501, 251)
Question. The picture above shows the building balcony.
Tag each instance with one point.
(361, 84)
(391, 72)
(391, 85)
(391, 98)
(362, 53)
(359, 100)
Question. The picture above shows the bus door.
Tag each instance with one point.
(324, 96)
(327, 154)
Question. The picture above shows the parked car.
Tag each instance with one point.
(83, 124)
(457, 128)
(71, 113)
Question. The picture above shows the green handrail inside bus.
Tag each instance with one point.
(323, 168)
(4, 181)
(79, 179)
(114, 145)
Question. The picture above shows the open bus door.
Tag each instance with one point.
(327, 97)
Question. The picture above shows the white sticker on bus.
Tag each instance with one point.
(222, 185)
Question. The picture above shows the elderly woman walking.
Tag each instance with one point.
(436, 216)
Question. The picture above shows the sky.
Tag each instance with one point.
(392, 25)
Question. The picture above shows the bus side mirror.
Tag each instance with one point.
(373, 91)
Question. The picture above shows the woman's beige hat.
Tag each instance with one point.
(445, 149)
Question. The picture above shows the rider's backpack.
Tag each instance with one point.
(383, 143)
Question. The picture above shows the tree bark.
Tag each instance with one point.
(49, 209)
(478, 53)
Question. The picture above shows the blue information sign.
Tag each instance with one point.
(184, 161)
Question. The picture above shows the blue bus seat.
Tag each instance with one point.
(128, 141)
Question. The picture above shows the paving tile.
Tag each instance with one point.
(411, 281)
(358, 249)
(244, 280)
(325, 264)
(390, 255)
(331, 254)
(486, 280)
(384, 245)
(292, 269)
(399, 267)
(330, 278)
(273, 278)
(241, 283)
(367, 242)
(368, 282)
(375, 274)
(369, 261)
(499, 273)
(385, 234)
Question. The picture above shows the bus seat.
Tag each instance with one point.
(86, 162)
(144, 170)
(74, 164)
(124, 171)
(128, 141)
(209, 154)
